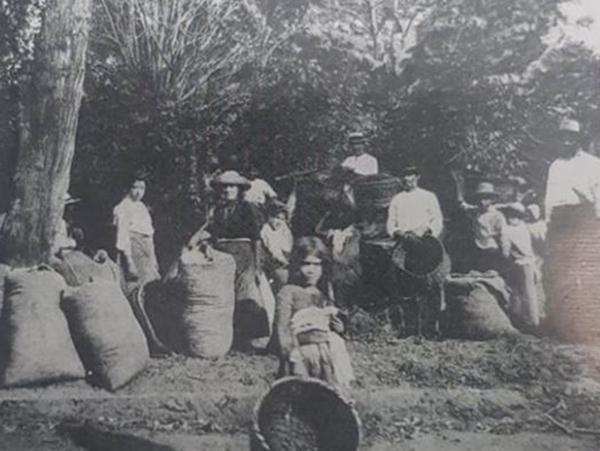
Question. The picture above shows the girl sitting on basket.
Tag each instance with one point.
(307, 322)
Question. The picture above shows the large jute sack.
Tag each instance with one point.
(77, 268)
(35, 344)
(109, 339)
(473, 307)
(208, 284)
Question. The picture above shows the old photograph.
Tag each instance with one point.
(299, 225)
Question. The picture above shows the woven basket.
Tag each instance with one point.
(426, 260)
(375, 191)
(304, 414)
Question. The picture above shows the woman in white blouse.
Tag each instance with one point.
(135, 235)
(136, 255)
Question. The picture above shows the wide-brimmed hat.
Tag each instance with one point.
(231, 178)
(70, 200)
(485, 190)
(569, 125)
(203, 235)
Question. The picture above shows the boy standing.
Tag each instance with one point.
(488, 226)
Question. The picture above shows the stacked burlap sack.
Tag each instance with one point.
(50, 332)
(476, 307)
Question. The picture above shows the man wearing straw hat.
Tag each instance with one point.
(360, 162)
(488, 226)
(572, 270)
(574, 177)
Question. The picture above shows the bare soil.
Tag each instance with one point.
(509, 393)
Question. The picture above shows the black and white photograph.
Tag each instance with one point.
(299, 225)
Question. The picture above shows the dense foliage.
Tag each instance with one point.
(474, 85)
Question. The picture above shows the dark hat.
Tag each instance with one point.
(485, 190)
(410, 169)
(230, 178)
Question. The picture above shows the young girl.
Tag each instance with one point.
(307, 322)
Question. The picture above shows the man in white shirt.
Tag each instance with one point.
(361, 163)
(573, 178)
(572, 265)
(414, 211)
(413, 214)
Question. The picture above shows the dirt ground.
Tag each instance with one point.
(511, 393)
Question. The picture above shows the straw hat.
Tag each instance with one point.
(69, 200)
(231, 178)
(570, 125)
(357, 138)
(204, 235)
(485, 190)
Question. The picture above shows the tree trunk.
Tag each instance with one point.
(50, 103)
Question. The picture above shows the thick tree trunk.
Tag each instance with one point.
(49, 114)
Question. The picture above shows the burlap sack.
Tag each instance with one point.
(108, 337)
(35, 344)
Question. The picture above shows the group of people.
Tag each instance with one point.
(252, 227)
(247, 221)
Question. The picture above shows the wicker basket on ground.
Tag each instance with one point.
(304, 414)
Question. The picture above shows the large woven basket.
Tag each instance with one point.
(426, 259)
(375, 191)
(304, 414)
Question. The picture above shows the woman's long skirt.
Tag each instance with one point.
(328, 361)
(144, 257)
(250, 317)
